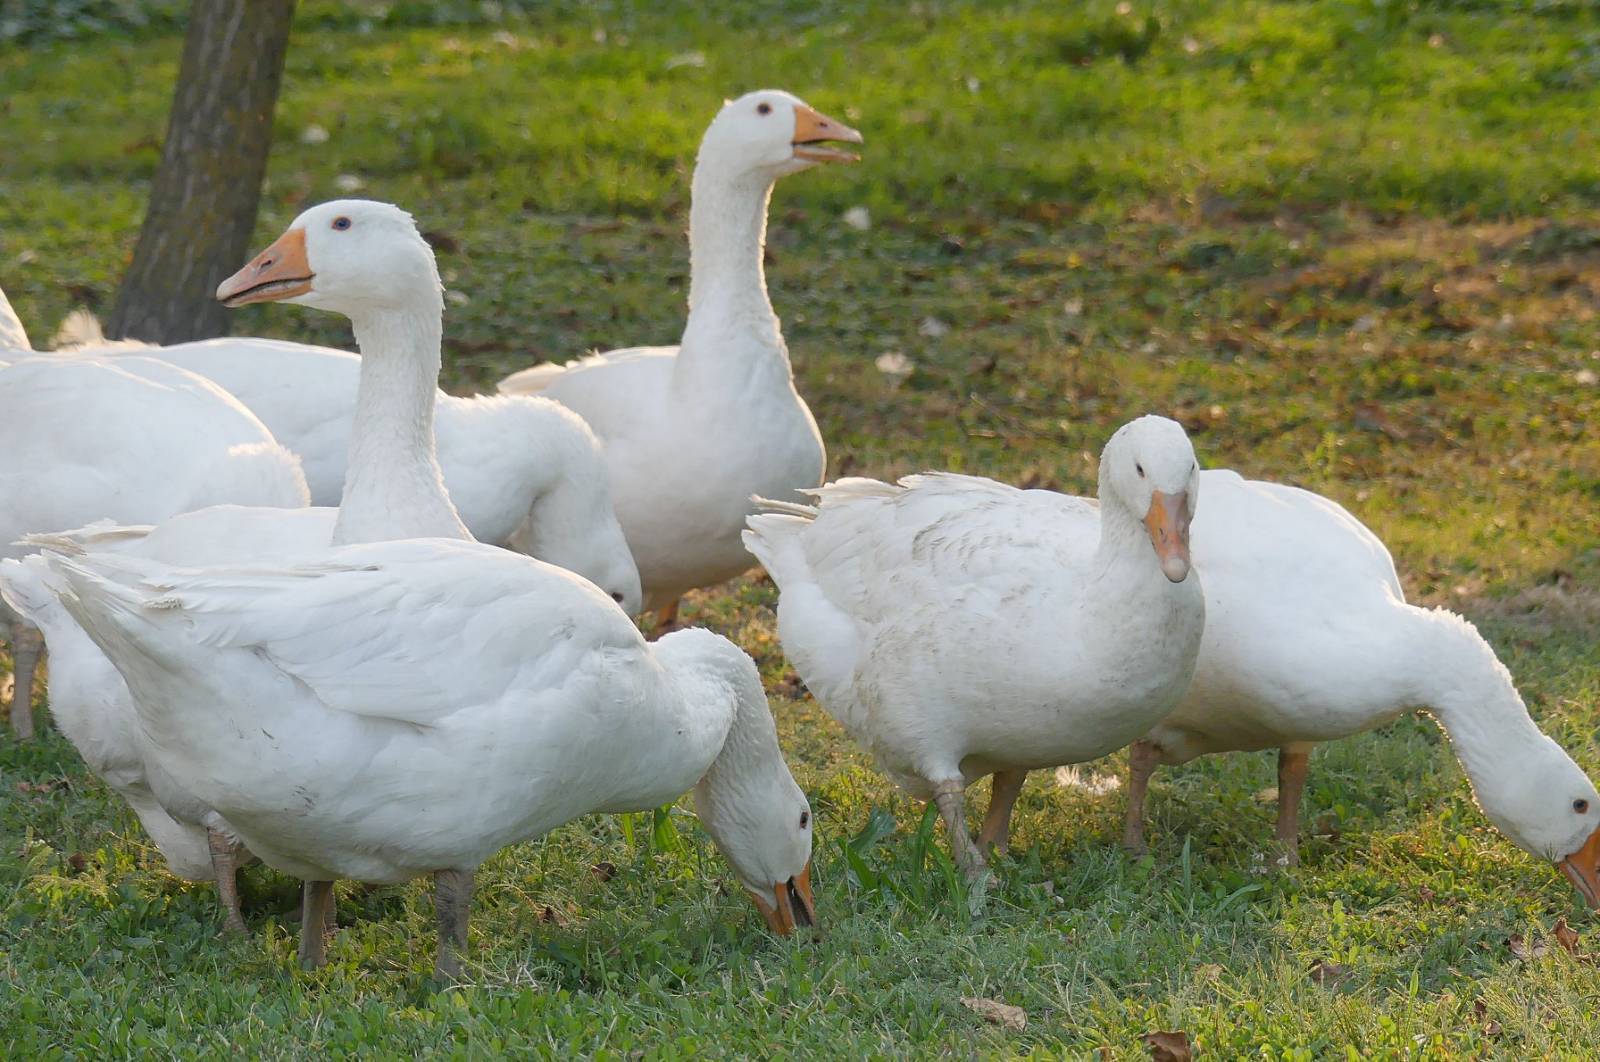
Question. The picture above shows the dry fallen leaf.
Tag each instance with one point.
(1208, 971)
(77, 863)
(1525, 950)
(1327, 825)
(605, 870)
(1566, 936)
(548, 914)
(996, 1012)
(1267, 795)
(1168, 1046)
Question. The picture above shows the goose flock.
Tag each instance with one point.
(303, 607)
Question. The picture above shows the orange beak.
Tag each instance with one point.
(1168, 524)
(811, 128)
(792, 907)
(279, 272)
(1583, 867)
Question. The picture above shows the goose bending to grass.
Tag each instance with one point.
(1309, 638)
(1344, 653)
(692, 432)
(523, 472)
(133, 440)
(359, 258)
(958, 627)
(385, 711)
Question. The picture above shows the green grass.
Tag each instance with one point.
(1353, 245)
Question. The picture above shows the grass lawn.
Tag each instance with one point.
(1352, 244)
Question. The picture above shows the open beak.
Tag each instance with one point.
(1583, 867)
(1168, 524)
(792, 906)
(279, 272)
(812, 128)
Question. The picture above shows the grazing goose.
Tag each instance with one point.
(321, 704)
(958, 627)
(692, 432)
(132, 440)
(365, 260)
(523, 472)
(1344, 653)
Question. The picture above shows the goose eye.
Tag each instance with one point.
(763, 108)
(1139, 469)
(805, 819)
(341, 223)
(1580, 806)
(617, 596)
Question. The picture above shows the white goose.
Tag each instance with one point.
(367, 261)
(132, 440)
(321, 705)
(360, 258)
(958, 627)
(1309, 638)
(692, 432)
(523, 472)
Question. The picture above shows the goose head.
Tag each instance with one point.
(748, 801)
(1149, 468)
(350, 256)
(770, 134)
(1544, 802)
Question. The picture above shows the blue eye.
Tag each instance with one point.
(341, 223)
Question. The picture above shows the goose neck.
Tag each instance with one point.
(393, 487)
(730, 316)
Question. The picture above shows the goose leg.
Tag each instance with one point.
(951, 799)
(1004, 788)
(225, 864)
(667, 617)
(1293, 763)
(1142, 761)
(26, 646)
(313, 924)
(452, 902)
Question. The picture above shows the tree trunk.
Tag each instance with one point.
(203, 201)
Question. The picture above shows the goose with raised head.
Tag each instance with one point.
(321, 705)
(133, 440)
(360, 258)
(523, 472)
(958, 627)
(1309, 638)
(692, 432)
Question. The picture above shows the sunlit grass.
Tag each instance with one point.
(1352, 245)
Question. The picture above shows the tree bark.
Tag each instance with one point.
(203, 201)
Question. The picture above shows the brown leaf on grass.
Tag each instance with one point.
(1267, 795)
(1327, 825)
(548, 915)
(996, 1012)
(1523, 950)
(49, 785)
(1168, 1046)
(1567, 937)
(77, 863)
(1208, 971)
(1491, 1029)
(605, 870)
